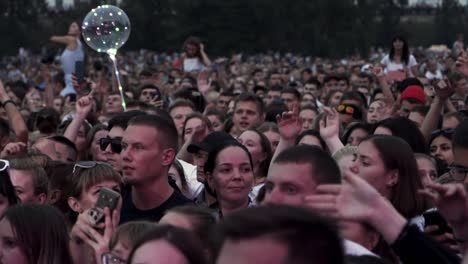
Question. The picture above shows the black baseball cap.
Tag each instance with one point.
(210, 142)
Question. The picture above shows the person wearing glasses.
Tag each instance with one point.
(112, 144)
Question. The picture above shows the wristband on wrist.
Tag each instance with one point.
(8, 102)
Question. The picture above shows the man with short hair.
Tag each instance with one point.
(273, 93)
(179, 110)
(29, 180)
(459, 167)
(114, 103)
(112, 144)
(222, 103)
(290, 97)
(248, 111)
(57, 148)
(148, 93)
(149, 146)
(277, 235)
(411, 97)
(296, 172)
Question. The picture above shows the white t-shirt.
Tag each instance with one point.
(432, 76)
(392, 66)
(194, 186)
(193, 65)
(354, 249)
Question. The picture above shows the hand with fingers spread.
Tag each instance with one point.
(203, 82)
(330, 125)
(290, 124)
(13, 148)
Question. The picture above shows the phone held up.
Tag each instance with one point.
(107, 198)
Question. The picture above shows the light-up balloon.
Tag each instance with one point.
(106, 28)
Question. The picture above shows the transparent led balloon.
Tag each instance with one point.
(106, 28)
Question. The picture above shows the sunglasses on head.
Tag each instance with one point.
(448, 131)
(346, 109)
(115, 143)
(87, 165)
(4, 164)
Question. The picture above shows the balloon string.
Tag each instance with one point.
(117, 76)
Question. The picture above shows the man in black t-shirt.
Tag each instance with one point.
(149, 146)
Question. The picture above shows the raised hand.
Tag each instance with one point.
(354, 200)
(289, 124)
(13, 148)
(203, 82)
(84, 105)
(378, 72)
(451, 201)
(330, 125)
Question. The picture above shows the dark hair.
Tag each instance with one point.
(210, 163)
(181, 103)
(306, 235)
(324, 169)
(201, 218)
(200, 116)
(47, 120)
(122, 119)
(457, 115)
(405, 56)
(266, 148)
(396, 154)
(193, 96)
(459, 138)
(355, 96)
(406, 129)
(41, 233)
(268, 126)
(314, 133)
(181, 172)
(276, 88)
(90, 136)
(167, 132)
(276, 107)
(374, 94)
(66, 142)
(330, 95)
(7, 189)
(60, 177)
(188, 244)
(292, 91)
(4, 128)
(250, 97)
(421, 109)
(353, 126)
(146, 86)
(313, 80)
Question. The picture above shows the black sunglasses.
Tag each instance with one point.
(115, 143)
(448, 132)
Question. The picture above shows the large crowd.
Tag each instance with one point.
(266, 158)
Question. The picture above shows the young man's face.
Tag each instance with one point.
(289, 183)
(179, 114)
(245, 115)
(23, 183)
(143, 157)
(272, 95)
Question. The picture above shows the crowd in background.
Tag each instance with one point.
(266, 158)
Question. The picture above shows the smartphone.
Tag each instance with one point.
(435, 218)
(107, 198)
(80, 71)
(156, 95)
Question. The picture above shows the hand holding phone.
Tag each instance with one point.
(443, 88)
(107, 198)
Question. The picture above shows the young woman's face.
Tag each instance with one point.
(10, 251)
(356, 137)
(158, 251)
(96, 152)
(441, 147)
(335, 99)
(398, 44)
(427, 171)
(191, 50)
(89, 197)
(191, 126)
(216, 123)
(232, 177)
(374, 114)
(307, 116)
(274, 139)
(251, 141)
(370, 166)
(74, 29)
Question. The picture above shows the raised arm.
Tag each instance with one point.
(67, 40)
(330, 129)
(206, 61)
(83, 107)
(15, 119)
(290, 125)
(380, 76)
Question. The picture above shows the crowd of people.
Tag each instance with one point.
(268, 158)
